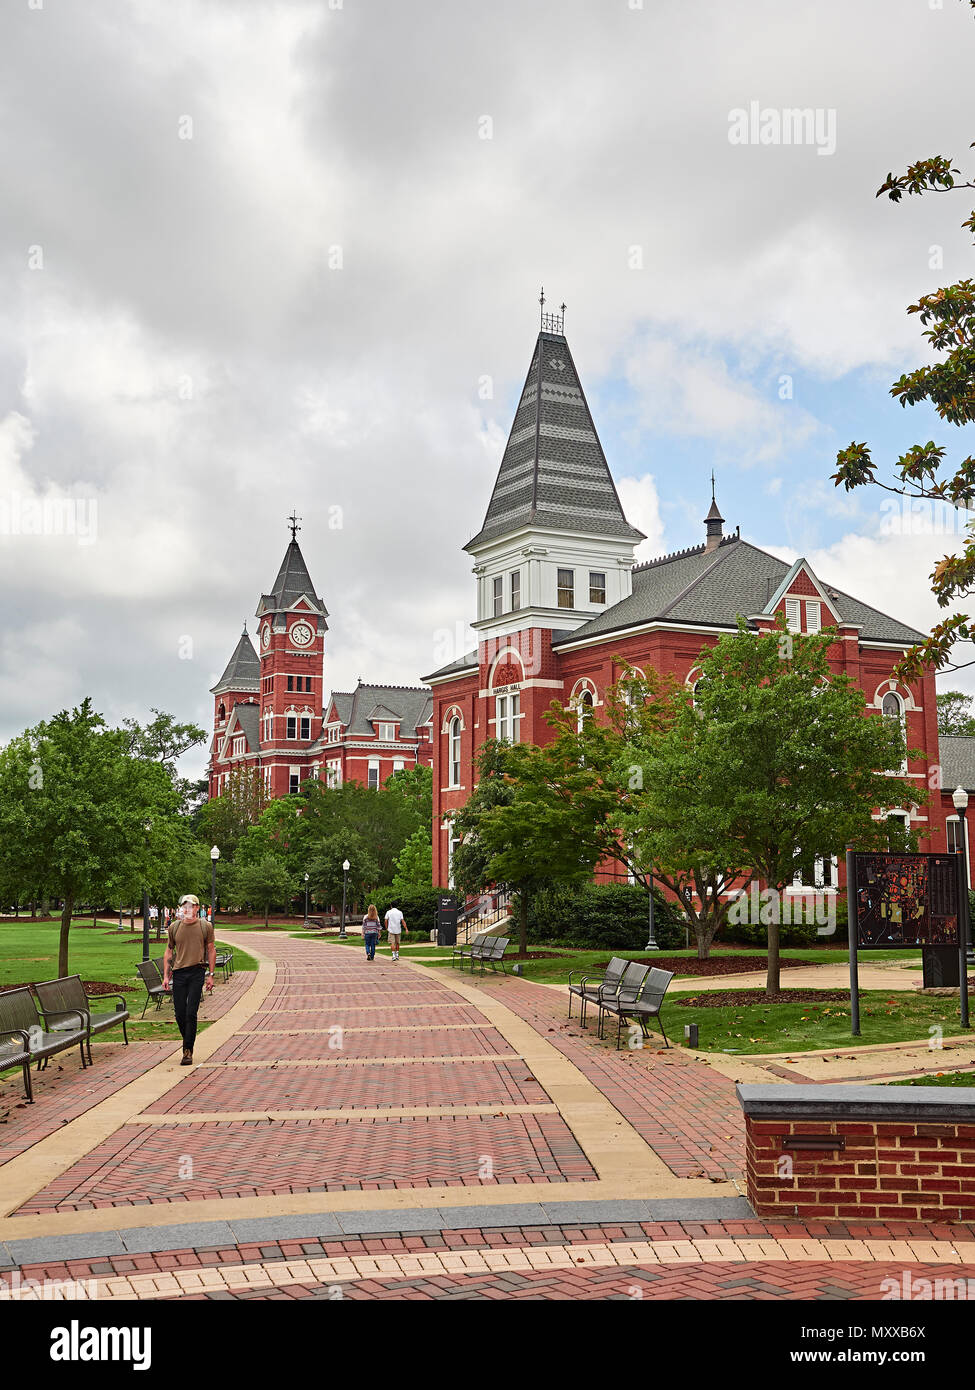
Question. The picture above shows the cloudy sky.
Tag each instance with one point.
(262, 256)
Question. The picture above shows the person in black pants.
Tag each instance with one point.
(190, 949)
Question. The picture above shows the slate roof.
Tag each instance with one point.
(957, 762)
(409, 705)
(293, 582)
(702, 588)
(553, 471)
(248, 717)
(463, 663)
(243, 669)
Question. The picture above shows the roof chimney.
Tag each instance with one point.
(714, 521)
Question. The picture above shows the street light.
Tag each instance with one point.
(145, 903)
(651, 939)
(346, 866)
(959, 798)
(306, 899)
(214, 856)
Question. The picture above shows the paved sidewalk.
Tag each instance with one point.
(356, 1130)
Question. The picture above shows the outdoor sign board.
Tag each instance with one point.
(906, 900)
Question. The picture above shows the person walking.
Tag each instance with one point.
(371, 927)
(395, 922)
(189, 949)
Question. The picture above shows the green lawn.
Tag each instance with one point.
(950, 1078)
(29, 951)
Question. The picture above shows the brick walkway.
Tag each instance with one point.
(358, 1080)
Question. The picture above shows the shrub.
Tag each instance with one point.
(418, 905)
(601, 916)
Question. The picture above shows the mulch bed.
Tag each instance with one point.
(721, 998)
(715, 965)
(539, 955)
(92, 986)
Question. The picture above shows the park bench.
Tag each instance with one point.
(225, 961)
(589, 990)
(151, 975)
(18, 1015)
(491, 952)
(15, 1052)
(465, 951)
(641, 1002)
(626, 993)
(66, 1005)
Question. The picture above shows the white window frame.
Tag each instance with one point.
(901, 716)
(515, 591)
(291, 726)
(597, 574)
(497, 596)
(373, 768)
(559, 586)
(814, 615)
(507, 715)
(304, 727)
(333, 773)
(294, 775)
(387, 733)
(399, 764)
(793, 615)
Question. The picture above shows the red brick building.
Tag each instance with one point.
(271, 712)
(560, 606)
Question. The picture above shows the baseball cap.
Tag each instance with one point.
(189, 898)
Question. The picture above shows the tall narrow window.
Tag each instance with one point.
(291, 682)
(793, 620)
(506, 709)
(566, 589)
(892, 706)
(515, 590)
(294, 778)
(305, 727)
(597, 587)
(373, 776)
(584, 710)
(497, 591)
(454, 752)
(813, 623)
(292, 730)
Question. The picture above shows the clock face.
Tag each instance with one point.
(301, 634)
(266, 634)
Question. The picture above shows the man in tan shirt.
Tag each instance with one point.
(189, 947)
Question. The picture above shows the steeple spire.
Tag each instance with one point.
(714, 522)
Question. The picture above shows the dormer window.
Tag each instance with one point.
(566, 589)
(387, 732)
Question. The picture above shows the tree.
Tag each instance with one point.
(415, 786)
(225, 819)
(789, 766)
(74, 806)
(164, 740)
(948, 316)
(265, 883)
(955, 714)
(414, 867)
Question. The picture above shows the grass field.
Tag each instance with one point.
(29, 951)
(950, 1078)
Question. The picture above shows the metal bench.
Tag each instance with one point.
(590, 990)
(225, 962)
(15, 1052)
(491, 952)
(18, 1015)
(647, 1003)
(627, 993)
(66, 1005)
(465, 951)
(151, 976)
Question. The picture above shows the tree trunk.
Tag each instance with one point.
(131, 919)
(94, 918)
(33, 907)
(772, 983)
(267, 912)
(523, 922)
(63, 940)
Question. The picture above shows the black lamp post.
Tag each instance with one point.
(960, 799)
(346, 866)
(306, 899)
(145, 905)
(651, 939)
(214, 856)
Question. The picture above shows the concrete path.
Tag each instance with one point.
(356, 1129)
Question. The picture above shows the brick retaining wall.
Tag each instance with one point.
(890, 1153)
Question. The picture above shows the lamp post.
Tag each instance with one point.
(306, 899)
(145, 905)
(346, 866)
(214, 856)
(651, 938)
(959, 798)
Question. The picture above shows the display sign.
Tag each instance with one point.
(907, 900)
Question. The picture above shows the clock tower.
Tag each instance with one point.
(291, 631)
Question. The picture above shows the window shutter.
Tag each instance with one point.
(813, 623)
(792, 620)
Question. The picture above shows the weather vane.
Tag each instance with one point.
(293, 521)
(550, 323)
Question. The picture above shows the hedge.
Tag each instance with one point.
(600, 916)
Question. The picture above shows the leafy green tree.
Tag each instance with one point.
(74, 805)
(415, 786)
(264, 883)
(955, 714)
(947, 384)
(225, 819)
(414, 867)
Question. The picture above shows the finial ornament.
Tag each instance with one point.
(293, 521)
(712, 484)
(550, 323)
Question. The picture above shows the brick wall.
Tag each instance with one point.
(906, 1156)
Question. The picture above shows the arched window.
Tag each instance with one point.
(222, 713)
(892, 707)
(584, 708)
(453, 753)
